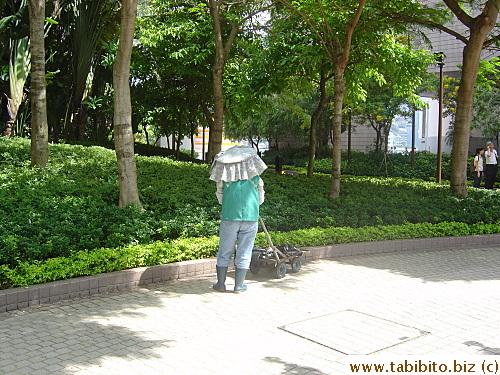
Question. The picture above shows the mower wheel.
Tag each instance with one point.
(296, 264)
(280, 270)
(254, 267)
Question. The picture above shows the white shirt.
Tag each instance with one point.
(491, 156)
(479, 164)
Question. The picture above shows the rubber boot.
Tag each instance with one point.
(239, 277)
(221, 279)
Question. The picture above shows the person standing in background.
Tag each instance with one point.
(478, 167)
(491, 168)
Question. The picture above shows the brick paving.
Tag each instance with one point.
(450, 295)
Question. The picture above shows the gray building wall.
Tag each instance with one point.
(427, 120)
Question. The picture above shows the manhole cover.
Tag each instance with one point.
(353, 332)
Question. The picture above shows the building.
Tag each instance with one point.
(426, 120)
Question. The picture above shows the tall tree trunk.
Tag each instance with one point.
(339, 92)
(221, 55)
(463, 117)
(39, 123)
(215, 135)
(340, 63)
(387, 130)
(315, 120)
(123, 135)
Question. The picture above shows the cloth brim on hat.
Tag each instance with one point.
(237, 163)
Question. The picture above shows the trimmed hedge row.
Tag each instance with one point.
(161, 252)
(84, 263)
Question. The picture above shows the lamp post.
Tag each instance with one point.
(440, 62)
(413, 126)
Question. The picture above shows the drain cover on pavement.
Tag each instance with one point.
(353, 332)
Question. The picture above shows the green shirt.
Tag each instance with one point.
(240, 200)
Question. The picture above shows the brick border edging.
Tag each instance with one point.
(23, 297)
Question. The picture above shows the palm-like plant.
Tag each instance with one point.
(15, 42)
(85, 27)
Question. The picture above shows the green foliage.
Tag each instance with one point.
(339, 235)
(375, 164)
(106, 260)
(171, 65)
(63, 221)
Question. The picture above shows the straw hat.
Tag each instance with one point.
(237, 163)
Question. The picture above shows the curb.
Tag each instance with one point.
(24, 297)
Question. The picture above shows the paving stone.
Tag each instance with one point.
(183, 327)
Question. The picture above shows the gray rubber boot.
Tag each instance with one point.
(221, 279)
(239, 277)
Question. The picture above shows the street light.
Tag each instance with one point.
(440, 62)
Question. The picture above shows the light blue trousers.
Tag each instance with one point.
(230, 232)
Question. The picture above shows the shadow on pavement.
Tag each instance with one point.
(469, 264)
(57, 337)
(293, 368)
(202, 285)
(483, 349)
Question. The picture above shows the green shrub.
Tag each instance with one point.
(71, 205)
(378, 164)
(97, 261)
(108, 260)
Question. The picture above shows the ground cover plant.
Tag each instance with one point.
(64, 221)
(375, 164)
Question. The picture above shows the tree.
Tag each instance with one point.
(284, 74)
(337, 44)
(486, 108)
(343, 28)
(171, 69)
(487, 112)
(379, 110)
(234, 15)
(480, 19)
(390, 87)
(39, 126)
(271, 117)
(123, 135)
(74, 46)
(479, 27)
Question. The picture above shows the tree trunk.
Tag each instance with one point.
(340, 61)
(387, 130)
(315, 120)
(39, 123)
(181, 131)
(215, 135)
(339, 92)
(463, 117)
(123, 135)
(221, 55)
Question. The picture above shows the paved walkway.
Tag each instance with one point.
(440, 302)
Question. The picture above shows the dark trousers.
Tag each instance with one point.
(477, 180)
(490, 173)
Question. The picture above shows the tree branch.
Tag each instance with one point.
(351, 25)
(461, 15)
